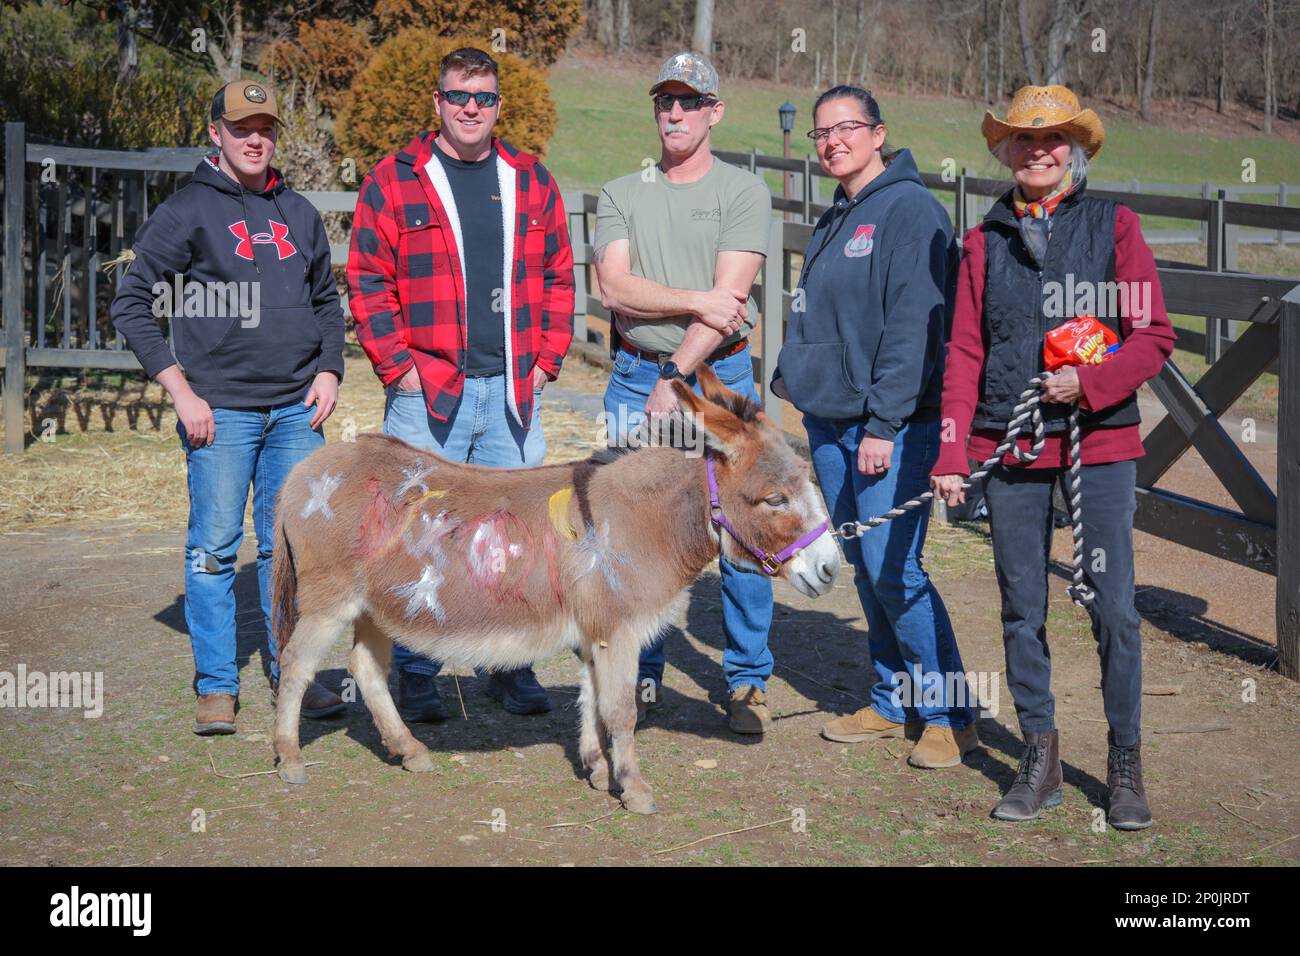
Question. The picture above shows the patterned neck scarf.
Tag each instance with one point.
(1043, 208)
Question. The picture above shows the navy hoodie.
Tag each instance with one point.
(272, 246)
(877, 286)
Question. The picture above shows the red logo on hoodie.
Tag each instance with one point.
(278, 237)
(861, 243)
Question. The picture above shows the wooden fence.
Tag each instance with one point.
(1265, 533)
(1217, 218)
(55, 315)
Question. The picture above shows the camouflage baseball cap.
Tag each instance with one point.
(693, 69)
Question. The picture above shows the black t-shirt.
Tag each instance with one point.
(478, 203)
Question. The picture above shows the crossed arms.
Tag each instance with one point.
(716, 313)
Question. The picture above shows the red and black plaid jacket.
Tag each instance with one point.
(406, 284)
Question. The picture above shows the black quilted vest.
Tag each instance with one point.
(1082, 246)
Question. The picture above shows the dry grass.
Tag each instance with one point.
(97, 468)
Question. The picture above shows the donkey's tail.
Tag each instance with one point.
(284, 587)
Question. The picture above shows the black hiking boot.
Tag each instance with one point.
(517, 691)
(1038, 781)
(418, 700)
(1126, 808)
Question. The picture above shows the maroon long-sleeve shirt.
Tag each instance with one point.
(1147, 343)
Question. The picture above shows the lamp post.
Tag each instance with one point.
(786, 113)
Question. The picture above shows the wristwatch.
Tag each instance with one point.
(669, 371)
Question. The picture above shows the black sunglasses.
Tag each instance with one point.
(461, 97)
(690, 101)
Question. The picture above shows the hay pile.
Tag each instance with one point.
(90, 475)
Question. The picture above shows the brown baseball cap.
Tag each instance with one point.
(241, 98)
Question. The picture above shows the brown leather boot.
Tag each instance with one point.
(1127, 808)
(317, 701)
(1038, 781)
(216, 715)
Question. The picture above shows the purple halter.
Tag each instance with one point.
(770, 563)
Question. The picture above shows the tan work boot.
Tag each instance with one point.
(216, 715)
(866, 724)
(943, 747)
(747, 711)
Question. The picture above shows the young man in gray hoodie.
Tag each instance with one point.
(240, 264)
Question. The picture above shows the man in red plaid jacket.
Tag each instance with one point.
(460, 276)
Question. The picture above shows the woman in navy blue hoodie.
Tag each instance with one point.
(863, 361)
(241, 265)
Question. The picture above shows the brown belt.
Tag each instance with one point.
(725, 351)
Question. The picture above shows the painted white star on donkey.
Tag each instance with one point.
(320, 489)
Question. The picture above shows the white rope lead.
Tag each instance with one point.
(1028, 409)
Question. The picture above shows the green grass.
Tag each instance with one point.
(605, 130)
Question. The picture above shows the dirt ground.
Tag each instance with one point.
(134, 786)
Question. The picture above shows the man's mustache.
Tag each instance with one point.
(677, 128)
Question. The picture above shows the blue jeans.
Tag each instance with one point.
(746, 595)
(252, 446)
(482, 431)
(908, 630)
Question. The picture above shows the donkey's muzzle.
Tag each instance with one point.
(813, 570)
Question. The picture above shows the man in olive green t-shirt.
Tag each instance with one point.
(678, 247)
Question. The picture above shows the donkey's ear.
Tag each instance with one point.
(711, 385)
(721, 430)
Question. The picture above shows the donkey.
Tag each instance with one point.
(500, 568)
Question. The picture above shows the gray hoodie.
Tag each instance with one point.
(878, 281)
(207, 251)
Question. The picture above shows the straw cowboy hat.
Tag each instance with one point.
(1046, 107)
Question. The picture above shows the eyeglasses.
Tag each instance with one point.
(484, 99)
(690, 101)
(841, 130)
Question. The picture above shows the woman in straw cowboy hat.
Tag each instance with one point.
(1044, 239)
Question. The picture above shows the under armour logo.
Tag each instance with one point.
(278, 237)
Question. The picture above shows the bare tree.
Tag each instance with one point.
(835, 42)
(229, 64)
(984, 47)
(1027, 44)
(1066, 17)
(128, 55)
(1210, 49)
(604, 23)
(1219, 87)
(1270, 23)
(1002, 5)
(702, 37)
(624, 25)
(1151, 59)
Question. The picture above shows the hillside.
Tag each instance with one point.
(606, 129)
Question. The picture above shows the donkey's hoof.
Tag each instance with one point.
(598, 777)
(292, 772)
(640, 802)
(421, 762)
